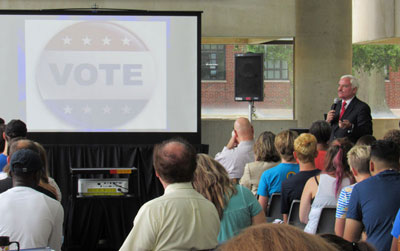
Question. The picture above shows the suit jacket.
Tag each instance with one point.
(359, 114)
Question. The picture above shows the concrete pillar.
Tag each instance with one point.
(322, 54)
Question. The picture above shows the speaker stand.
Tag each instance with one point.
(251, 110)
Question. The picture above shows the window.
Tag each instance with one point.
(213, 62)
(217, 98)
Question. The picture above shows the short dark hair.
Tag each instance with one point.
(15, 128)
(386, 151)
(321, 130)
(366, 140)
(2, 141)
(393, 135)
(177, 165)
(2, 122)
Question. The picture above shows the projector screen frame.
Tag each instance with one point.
(119, 137)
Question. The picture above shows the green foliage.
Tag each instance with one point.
(271, 51)
(369, 57)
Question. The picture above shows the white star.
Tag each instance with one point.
(87, 109)
(67, 40)
(126, 109)
(86, 40)
(67, 109)
(126, 41)
(106, 41)
(107, 109)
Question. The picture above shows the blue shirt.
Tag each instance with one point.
(3, 161)
(396, 226)
(271, 179)
(238, 214)
(375, 202)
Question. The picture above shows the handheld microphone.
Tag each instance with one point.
(335, 102)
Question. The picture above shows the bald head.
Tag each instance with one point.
(243, 129)
(175, 161)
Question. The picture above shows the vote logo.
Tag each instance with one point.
(96, 75)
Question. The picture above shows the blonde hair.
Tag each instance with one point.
(305, 146)
(212, 181)
(358, 158)
(276, 237)
(284, 144)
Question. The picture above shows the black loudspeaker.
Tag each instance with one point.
(249, 77)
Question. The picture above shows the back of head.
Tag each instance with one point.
(244, 129)
(393, 135)
(385, 152)
(15, 128)
(212, 181)
(366, 140)
(336, 160)
(2, 141)
(345, 245)
(25, 164)
(305, 147)
(358, 158)
(284, 143)
(175, 161)
(321, 130)
(264, 148)
(276, 237)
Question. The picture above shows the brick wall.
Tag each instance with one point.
(392, 88)
(220, 94)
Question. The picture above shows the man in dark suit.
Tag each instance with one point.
(350, 117)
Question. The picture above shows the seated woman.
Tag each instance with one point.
(236, 205)
(266, 156)
(323, 190)
(47, 182)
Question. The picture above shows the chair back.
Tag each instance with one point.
(294, 218)
(326, 223)
(274, 207)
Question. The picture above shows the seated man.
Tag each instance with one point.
(271, 179)
(181, 219)
(305, 151)
(28, 216)
(239, 150)
(375, 201)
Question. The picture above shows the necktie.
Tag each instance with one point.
(343, 109)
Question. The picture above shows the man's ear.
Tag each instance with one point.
(4, 135)
(295, 155)
(8, 159)
(371, 167)
(354, 171)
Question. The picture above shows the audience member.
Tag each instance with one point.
(181, 219)
(45, 181)
(15, 128)
(3, 158)
(271, 179)
(30, 217)
(375, 201)
(323, 190)
(366, 140)
(305, 151)
(239, 150)
(344, 245)
(358, 159)
(396, 232)
(15, 145)
(393, 135)
(266, 157)
(236, 205)
(276, 237)
(322, 131)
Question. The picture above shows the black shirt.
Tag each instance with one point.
(292, 188)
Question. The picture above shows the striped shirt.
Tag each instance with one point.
(343, 202)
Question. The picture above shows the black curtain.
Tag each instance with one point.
(96, 223)
(102, 223)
